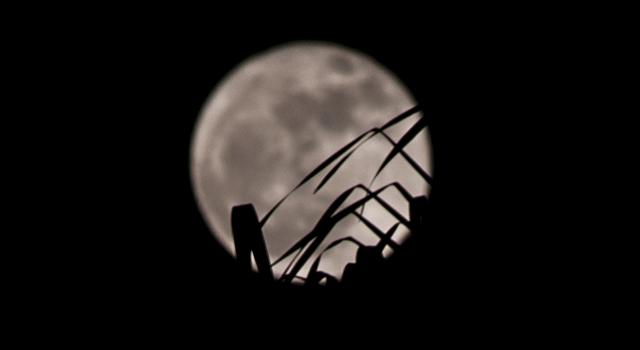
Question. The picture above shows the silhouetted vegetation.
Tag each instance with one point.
(247, 230)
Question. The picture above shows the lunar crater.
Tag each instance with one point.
(341, 64)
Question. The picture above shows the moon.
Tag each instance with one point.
(279, 114)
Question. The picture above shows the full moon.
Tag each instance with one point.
(277, 116)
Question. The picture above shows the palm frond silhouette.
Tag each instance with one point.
(247, 229)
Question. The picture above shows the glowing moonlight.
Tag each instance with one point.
(277, 116)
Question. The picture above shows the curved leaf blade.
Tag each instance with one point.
(402, 116)
(403, 142)
(313, 173)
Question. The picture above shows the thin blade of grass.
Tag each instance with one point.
(329, 220)
(314, 172)
(319, 233)
(334, 169)
(298, 245)
(334, 206)
(402, 116)
(398, 186)
(403, 142)
(409, 160)
(376, 131)
(292, 261)
(388, 238)
(403, 191)
(384, 203)
(338, 241)
(392, 230)
(376, 230)
(313, 272)
(339, 153)
(315, 232)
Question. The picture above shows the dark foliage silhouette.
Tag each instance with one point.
(248, 235)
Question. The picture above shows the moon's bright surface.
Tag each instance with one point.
(278, 115)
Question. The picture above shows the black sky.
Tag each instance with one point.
(133, 235)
